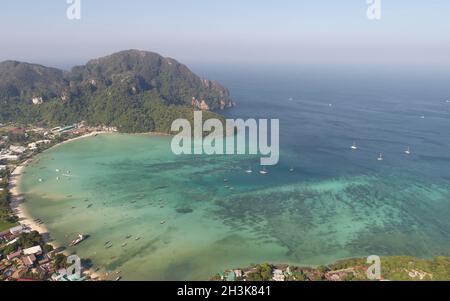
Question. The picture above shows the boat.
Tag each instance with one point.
(249, 171)
(124, 245)
(118, 278)
(408, 151)
(264, 171)
(107, 243)
(291, 169)
(40, 180)
(137, 238)
(163, 222)
(380, 158)
(79, 239)
(354, 146)
(128, 236)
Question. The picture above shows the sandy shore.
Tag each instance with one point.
(19, 209)
(17, 202)
(17, 199)
(25, 219)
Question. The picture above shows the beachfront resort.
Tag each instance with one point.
(27, 252)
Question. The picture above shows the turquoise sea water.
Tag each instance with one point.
(338, 203)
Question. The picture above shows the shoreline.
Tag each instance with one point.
(19, 209)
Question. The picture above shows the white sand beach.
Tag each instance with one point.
(18, 206)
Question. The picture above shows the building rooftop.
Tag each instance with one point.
(33, 250)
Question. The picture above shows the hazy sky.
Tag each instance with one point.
(229, 31)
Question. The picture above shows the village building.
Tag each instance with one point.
(37, 250)
(14, 255)
(17, 149)
(238, 273)
(9, 157)
(16, 230)
(278, 275)
(37, 100)
(29, 260)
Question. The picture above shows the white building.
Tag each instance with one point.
(10, 157)
(37, 100)
(278, 275)
(43, 142)
(34, 250)
(2, 167)
(32, 146)
(17, 149)
(16, 230)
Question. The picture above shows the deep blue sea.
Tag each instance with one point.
(324, 110)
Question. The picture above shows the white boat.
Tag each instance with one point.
(264, 172)
(80, 238)
(354, 146)
(380, 158)
(291, 169)
(249, 170)
(408, 151)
